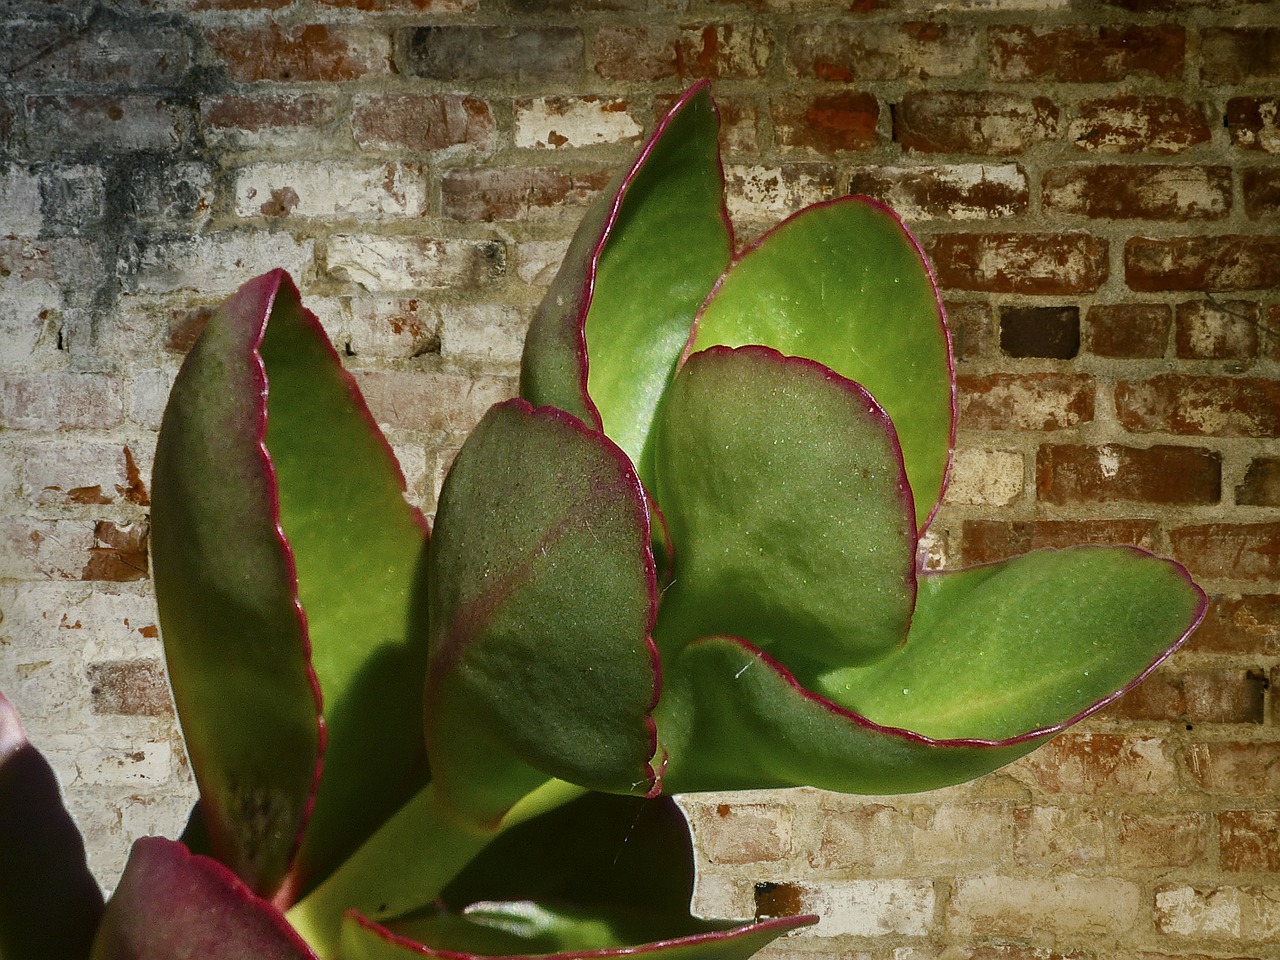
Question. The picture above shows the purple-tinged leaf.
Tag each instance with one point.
(789, 510)
(542, 594)
(175, 905)
(606, 338)
(49, 902)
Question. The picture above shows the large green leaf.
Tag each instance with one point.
(999, 659)
(845, 284)
(783, 486)
(606, 338)
(542, 594)
(173, 905)
(50, 904)
(285, 557)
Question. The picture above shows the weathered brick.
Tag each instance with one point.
(1236, 769)
(60, 401)
(1197, 696)
(405, 6)
(990, 477)
(119, 552)
(1167, 475)
(739, 119)
(826, 122)
(706, 51)
(430, 402)
(73, 198)
(735, 833)
(1140, 192)
(211, 263)
(863, 908)
(1101, 763)
(1061, 838)
(972, 329)
(1249, 841)
(392, 327)
(1254, 123)
(853, 50)
(133, 55)
(20, 212)
(1076, 53)
(961, 834)
(1246, 915)
(538, 261)
(1155, 840)
(996, 124)
(1039, 264)
(1128, 330)
(466, 53)
(1060, 906)
(1217, 330)
(106, 124)
(84, 472)
(1048, 332)
(1261, 484)
(518, 193)
(947, 191)
(1246, 624)
(986, 541)
(1200, 405)
(418, 121)
(1133, 123)
(331, 190)
(1261, 188)
(557, 122)
(383, 264)
(489, 332)
(857, 835)
(113, 760)
(279, 120)
(135, 688)
(1233, 551)
(1240, 54)
(1222, 262)
(1030, 401)
(769, 193)
(35, 549)
(305, 52)
(171, 194)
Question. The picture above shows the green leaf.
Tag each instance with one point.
(792, 522)
(173, 905)
(285, 557)
(606, 338)
(1030, 644)
(50, 903)
(845, 284)
(543, 596)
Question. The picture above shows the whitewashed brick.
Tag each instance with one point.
(760, 192)
(392, 326)
(987, 477)
(560, 122)
(384, 264)
(148, 394)
(330, 190)
(538, 261)
(19, 202)
(1248, 914)
(87, 472)
(218, 263)
(490, 332)
(35, 549)
(870, 908)
(96, 623)
(97, 759)
(1061, 906)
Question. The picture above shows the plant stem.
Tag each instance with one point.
(407, 862)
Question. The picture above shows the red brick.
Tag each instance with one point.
(1249, 841)
(270, 117)
(1247, 624)
(826, 122)
(1236, 769)
(1031, 401)
(415, 121)
(994, 124)
(119, 553)
(1159, 840)
(1038, 264)
(106, 124)
(311, 52)
(1102, 763)
(467, 53)
(1166, 475)
(1200, 405)
(525, 193)
(854, 50)
(239, 4)
(1230, 551)
(1217, 330)
(1128, 330)
(1077, 53)
(856, 834)
(60, 401)
(1254, 123)
(1261, 484)
(1046, 332)
(641, 54)
(972, 328)
(1191, 697)
(1261, 186)
(1138, 192)
(969, 191)
(1133, 123)
(986, 541)
(1240, 54)
(1229, 262)
(133, 688)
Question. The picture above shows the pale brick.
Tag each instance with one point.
(961, 835)
(213, 263)
(538, 261)
(1060, 838)
(104, 759)
(93, 621)
(386, 264)
(1064, 906)
(1248, 914)
(769, 193)
(486, 332)
(859, 834)
(736, 832)
(966, 191)
(19, 202)
(60, 401)
(1236, 769)
(868, 908)
(83, 473)
(1100, 764)
(565, 122)
(984, 476)
(329, 190)
(392, 327)
(432, 402)
(148, 395)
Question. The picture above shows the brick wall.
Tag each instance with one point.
(1097, 181)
